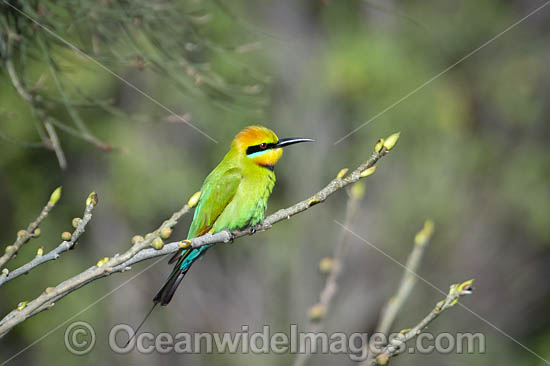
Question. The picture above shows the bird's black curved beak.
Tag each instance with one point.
(292, 140)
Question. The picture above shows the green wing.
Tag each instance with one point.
(217, 191)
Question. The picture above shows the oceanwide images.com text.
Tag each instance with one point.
(80, 339)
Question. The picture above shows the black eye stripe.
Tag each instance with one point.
(261, 147)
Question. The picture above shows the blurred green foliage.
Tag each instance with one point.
(473, 155)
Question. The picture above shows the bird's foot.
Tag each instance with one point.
(255, 228)
(231, 237)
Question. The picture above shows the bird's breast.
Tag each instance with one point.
(249, 204)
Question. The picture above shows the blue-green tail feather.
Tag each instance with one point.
(185, 259)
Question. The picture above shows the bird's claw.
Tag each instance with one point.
(254, 229)
(231, 237)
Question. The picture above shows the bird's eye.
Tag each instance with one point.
(263, 146)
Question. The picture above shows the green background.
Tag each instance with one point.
(473, 156)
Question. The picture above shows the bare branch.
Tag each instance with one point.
(16, 82)
(391, 350)
(103, 268)
(23, 236)
(335, 264)
(56, 145)
(55, 253)
(394, 305)
(121, 262)
(408, 280)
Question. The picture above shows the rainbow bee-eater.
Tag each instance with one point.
(233, 196)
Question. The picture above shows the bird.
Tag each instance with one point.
(233, 196)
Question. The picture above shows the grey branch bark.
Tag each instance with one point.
(24, 236)
(319, 311)
(55, 253)
(138, 252)
(394, 305)
(393, 349)
(102, 269)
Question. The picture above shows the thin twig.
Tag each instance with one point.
(101, 269)
(19, 87)
(319, 311)
(44, 121)
(88, 138)
(17, 83)
(52, 141)
(397, 344)
(24, 236)
(55, 253)
(394, 305)
(121, 262)
(56, 145)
